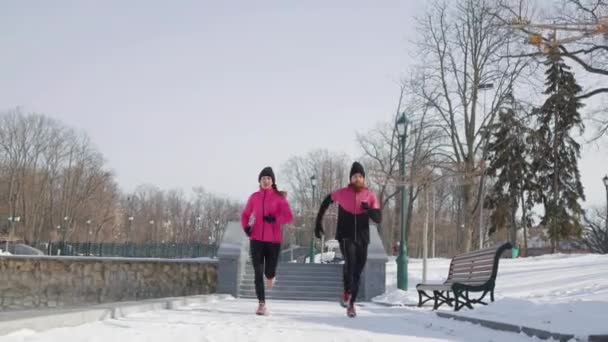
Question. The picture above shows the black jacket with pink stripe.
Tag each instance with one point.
(355, 209)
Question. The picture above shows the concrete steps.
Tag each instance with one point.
(314, 282)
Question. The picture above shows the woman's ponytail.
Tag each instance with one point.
(282, 193)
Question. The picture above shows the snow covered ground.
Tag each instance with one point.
(322, 257)
(560, 293)
(233, 320)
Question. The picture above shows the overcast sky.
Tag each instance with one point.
(187, 93)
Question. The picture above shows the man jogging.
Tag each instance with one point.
(356, 205)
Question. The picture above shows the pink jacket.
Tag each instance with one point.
(351, 201)
(265, 202)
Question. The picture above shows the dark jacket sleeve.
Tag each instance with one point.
(324, 205)
(375, 215)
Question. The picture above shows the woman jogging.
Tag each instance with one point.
(270, 210)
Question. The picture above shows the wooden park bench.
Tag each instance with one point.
(471, 272)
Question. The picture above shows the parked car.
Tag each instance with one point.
(23, 249)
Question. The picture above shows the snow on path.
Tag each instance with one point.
(233, 320)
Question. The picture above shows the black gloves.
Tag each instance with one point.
(374, 214)
(269, 218)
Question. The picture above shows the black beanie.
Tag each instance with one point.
(356, 168)
(267, 171)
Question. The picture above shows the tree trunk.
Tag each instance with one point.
(554, 226)
(513, 225)
(469, 228)
(434, 220)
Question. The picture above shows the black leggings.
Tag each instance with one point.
(264, 257)
(355, 257)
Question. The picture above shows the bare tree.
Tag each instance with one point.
(331, 171)
(462, 43)
(56, 181)
(595, 233)
(51, 173)
(382, 153)
(172, 216)
(578, 29)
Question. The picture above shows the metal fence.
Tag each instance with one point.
(130, 250)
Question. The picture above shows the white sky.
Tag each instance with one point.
(188, 93)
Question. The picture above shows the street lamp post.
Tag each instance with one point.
(214, 234)
(481, 201)
(59, 232)
(483, 87)
(90, 233)
(129, 228)
(64, 234)
(167, 226)
(311, 252)
(153, 231)
(402, 124)
(605, 179)
(128, 247)
(8, 237)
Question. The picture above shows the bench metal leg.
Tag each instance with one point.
(436, 297)
(449, 300)
(422, 293)
(480, 300)
(442, 297)
(468, 302)
(462, 300)
(439, 298)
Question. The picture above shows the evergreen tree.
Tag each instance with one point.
(510, 166)
(556, 152)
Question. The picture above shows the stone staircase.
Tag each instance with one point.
(319, 282)
(295, 281)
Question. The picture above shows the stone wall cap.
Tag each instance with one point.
(110, 259)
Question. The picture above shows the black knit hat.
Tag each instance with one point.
(267, 171)
(357, 168)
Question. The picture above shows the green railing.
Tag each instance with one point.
(131, 250)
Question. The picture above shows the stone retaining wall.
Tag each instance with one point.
(49, 281)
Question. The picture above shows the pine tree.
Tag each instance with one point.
(556, 152)
(510, 165)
